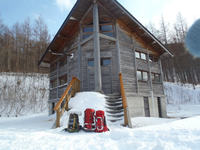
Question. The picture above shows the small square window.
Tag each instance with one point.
(139, 75)
(143, 56)
(91, 62)
(137, 54)
(145, 76)
(88, 29)
(106, 28)
(105, 61)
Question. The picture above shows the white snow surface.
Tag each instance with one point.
(34, 133)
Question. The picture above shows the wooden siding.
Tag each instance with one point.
(129, 68)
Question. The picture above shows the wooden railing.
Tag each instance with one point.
(124, 101)
(72, 88)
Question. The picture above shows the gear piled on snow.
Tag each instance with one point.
(100, 121)
(89, 120)
(73, 124)
(95, 121)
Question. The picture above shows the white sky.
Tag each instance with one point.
(151, 10)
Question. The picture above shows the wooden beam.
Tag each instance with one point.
(161, 74)
(85, 15)
(97, 57)
(107, 37)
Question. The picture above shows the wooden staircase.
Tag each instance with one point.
(114, 108)
(62, 105)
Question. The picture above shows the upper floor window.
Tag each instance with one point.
(156, 77)
(106, 28)
(105, 61)
(91, 62)
(140, 55)
(142, 75)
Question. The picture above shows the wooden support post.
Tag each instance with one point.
(118, 48)
(58, 115)
(124, 102)
(161, 74)
(151, 84)
(97, 57)
(135, 65)
(57, 78)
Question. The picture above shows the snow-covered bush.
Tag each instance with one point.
(22, 94)
(181, 94)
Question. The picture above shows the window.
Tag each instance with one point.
(137, 54)
(107, 29)
(87, 31)
(156, 77)
(53, 83)
(63, 79)
(143, 56)
(142, 75)
(105, 61)
(139, 75)
(91, 62)
(140, 55)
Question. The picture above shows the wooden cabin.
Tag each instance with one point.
(98, 40)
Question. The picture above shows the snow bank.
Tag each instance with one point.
(183, 110)
(181, 94)
(80, 102)
(146, 121)
(23, 94)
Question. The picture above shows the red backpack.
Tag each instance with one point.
(100, 120)
(89, 120)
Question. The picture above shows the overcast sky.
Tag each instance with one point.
(54, 12)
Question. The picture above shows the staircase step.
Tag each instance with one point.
(114, 94)
(113, 104)
(118, 97)
(115, 116)
(114, 101)
(115, 120)
(114, 108)
(114, 111)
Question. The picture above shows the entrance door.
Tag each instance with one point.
(106, 74)
(159, 107)
(146, 107)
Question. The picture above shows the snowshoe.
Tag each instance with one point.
(89, 120)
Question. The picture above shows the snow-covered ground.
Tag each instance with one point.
(35, 133)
